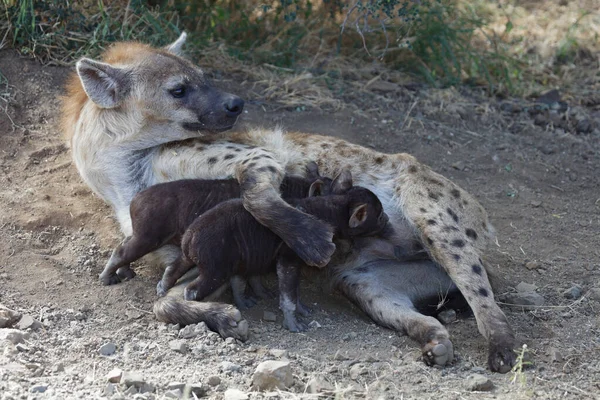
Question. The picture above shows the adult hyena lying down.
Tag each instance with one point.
(145, 115)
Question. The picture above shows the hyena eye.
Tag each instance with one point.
(178, 92)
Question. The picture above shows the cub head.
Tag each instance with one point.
(160, 87)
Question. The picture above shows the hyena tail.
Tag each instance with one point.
(219, 317)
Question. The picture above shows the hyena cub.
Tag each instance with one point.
(228, 241)
(161, 214)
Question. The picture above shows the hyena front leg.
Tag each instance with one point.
(308, 237)
(454, 229)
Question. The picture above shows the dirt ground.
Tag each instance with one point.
(535, 172)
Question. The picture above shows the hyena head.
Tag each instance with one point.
(155, 90)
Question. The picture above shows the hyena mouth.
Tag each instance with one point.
(197, 126)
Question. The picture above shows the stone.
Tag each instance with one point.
(574, 292)
(269, 316)
(14, 336)
(8, 317)
(525, 300)
(228, 366)
(535, 204)
(179, 346)
(58, 367)
(319, 385)
(131, 390)
(479, 383)
(314, 324)
(173, 394)
(593, 294)
(176, 385)
(27, 322)
(107, 349)
(555, 355)
(356, 370)
(235, 394)
(131, 378)
(214, 380)
(270, 375)
(278, 353)
(447, 316)
(191, 331)
(114, 376)
(584, 126)
(531, 265)
(38, 388)
(110, 389)
(524, 287)
(198, 389)
(147, 388)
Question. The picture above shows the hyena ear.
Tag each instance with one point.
(316, 188)
(312, 171)
(359, 216)
(176, 46)
(104, 84)
(342, 183)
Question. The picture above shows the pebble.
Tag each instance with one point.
(179, 346)
(269, 316)
(176, 386)
(314, 324)
(198, 389)
(27, 322)
(447, 316)
(271, 375)
(349, 336)
(531, 265)
(593, 294)
(191, 331)
(573, 293)
(8, 317)
(278, 353)
(114, 376)
(235, 394)
(525, 300)
(524, 287)
(58, 367)
(480, 383)
(133, 379)
(110, 389)
(131, 390)
(173, 394)
(356, 370)
(319, 385)
(107, 349)
(555, 355)
(214, 380)
(535, 204)
(228, 366)
(14, 336)
(39, 388)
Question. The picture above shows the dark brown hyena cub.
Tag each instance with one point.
(228, 241)
(161, 214)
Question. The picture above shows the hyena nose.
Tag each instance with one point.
(233, 106)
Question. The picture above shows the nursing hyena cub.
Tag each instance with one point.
(144, 115)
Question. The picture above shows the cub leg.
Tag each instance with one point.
(259, 289)
(174, 270)
(238, 287)
(288, 275)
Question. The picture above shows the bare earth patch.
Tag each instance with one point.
(537, 179)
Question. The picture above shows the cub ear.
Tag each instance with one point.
(316, 188)
(104, 84)
(176, 46)
(359, 216)
(312, 171)
(342, 183)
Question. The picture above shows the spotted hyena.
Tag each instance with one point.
(145, 115)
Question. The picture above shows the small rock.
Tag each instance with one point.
(447, 316)
(173, 394)
(131, 390)
(198, 389)
(319, 385)
(356, 370)
(39, 388)
(132, 379)
(214, 380)
(110, 389)
(535, 204)
(179, 346)
(526, 287)
(584, 126)
(235, 394)
(269, 316)
(555, 355)
(593, 294)
(278, 353)
(58, 367)
(550, 97)
(531, 265)
(573, 293)
(314, 324)
(191, 331)
(349, 336)
(114, 376)
(228, 366)
(27, 322)
(8, 317)
(525, 300)
(107, 349)
(480, 383)
(14, 336)
(271, 375)
(176, 385)
(147, 388)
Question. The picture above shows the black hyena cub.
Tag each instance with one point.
(161, 214)
(228, 241)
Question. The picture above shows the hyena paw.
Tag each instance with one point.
(126, 273)
(190, 294)
(313, 244)
(109, 279)
(303, 310)
(229, 323)
(294, 325)
(246, 302)
(161, 290)
(501, 356)
(438, 352)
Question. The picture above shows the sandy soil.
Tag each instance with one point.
(534, 171)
